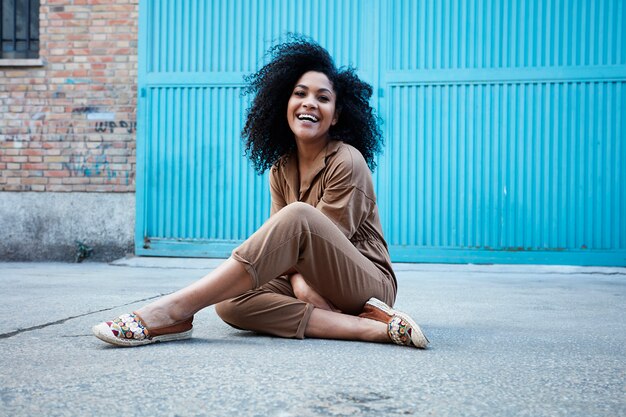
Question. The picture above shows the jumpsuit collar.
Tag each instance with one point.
(292, 176)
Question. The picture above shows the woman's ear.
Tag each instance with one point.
(335, 117)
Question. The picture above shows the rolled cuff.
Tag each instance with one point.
(254, 277)
(305, 321)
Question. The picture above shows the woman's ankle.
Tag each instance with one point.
(374, 331)
(161, 314)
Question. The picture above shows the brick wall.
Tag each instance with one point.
(69, 125)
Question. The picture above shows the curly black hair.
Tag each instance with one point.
(266, 132)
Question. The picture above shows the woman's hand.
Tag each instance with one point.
(304, 292)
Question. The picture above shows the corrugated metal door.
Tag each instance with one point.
(506, 124)
(503, 121)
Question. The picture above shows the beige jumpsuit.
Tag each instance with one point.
(326, 227)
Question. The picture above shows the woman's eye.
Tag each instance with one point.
(324, 99)
(299, 93)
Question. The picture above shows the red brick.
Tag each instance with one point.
(58, 188)
(29, 166)
(32, 152)
(13, 158)
(56, 173)
(35, 180)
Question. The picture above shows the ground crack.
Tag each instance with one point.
(54, 323)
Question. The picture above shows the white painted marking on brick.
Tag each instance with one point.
(101, 116)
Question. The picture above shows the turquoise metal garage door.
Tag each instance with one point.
(504, 123)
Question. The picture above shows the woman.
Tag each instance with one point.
(319, 267)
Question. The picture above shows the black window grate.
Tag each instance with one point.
(19, 28)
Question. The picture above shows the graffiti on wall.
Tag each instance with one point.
(96, 163)
(130, 127)
(90, 151)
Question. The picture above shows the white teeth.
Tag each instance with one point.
(309, 117)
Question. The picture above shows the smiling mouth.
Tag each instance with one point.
(307, 117)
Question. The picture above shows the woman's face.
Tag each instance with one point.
(311, 107)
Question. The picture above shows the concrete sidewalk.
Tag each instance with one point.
(506, 341)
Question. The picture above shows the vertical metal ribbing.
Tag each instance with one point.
(191, 51)
(618, 103)
(187, 156)
(444, 164)
(561, 34)
(229, 183)
(203, 168)
(185, 37)
(572, 35)
(479, 34)
(240, 197)
(149, 49)
(192, 224)
(157, 173)
(498, 168)
(453, 192)
(159, 177)
(543, 155)
(151, 156)
(213, 119)
(566, 44)
(166, 198)
(176, 139)
(616, 159)
(230, 50)
(558, 213)
(573, 122)
(580, 169)
(511, 232)
(505, 188)
(604, 168)
(618, 13)
(553, 191)
(204, 44)
(196, 51)
(504, 50)
(592, 140)
(153, 37)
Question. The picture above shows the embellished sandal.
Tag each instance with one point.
(402, 330)
(128, 330)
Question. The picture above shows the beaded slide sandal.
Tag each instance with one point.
(128, 330)
(401, 328)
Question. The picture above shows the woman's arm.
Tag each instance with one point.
(345, 200)
(276, 192)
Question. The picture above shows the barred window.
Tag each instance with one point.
(19, 28)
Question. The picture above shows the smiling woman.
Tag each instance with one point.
(319, 267)
(267, 132)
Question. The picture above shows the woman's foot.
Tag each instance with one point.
(401, 328)
(303, 292)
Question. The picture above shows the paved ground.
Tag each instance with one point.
(506, 341)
